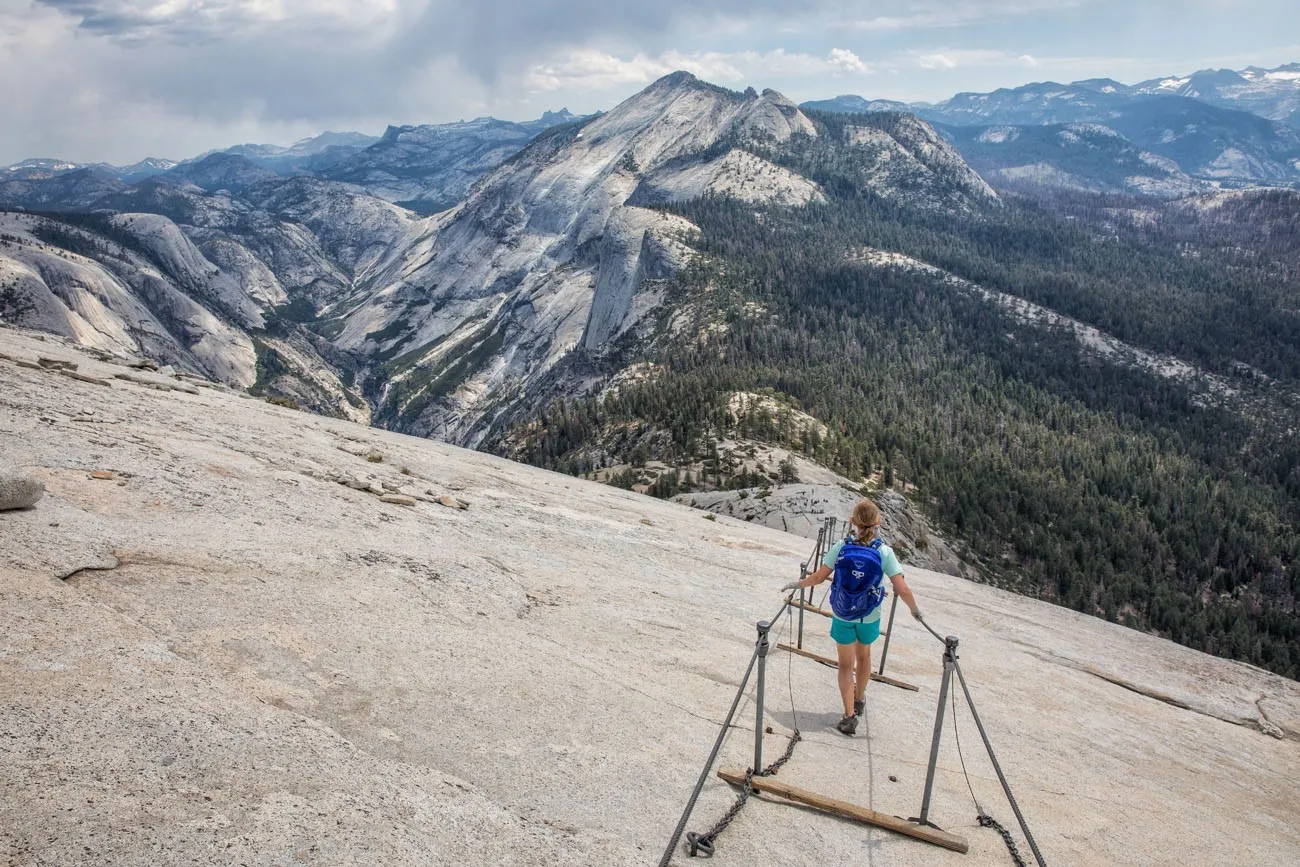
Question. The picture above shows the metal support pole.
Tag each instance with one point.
(804, 597)
(805, 593)
(949, 663)
(889, 633)
(1006, 787)
(704, 774)
(763, 648)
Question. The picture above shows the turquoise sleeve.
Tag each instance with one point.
(832, 555)
(889, 561)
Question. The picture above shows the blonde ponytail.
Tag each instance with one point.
(866, 519)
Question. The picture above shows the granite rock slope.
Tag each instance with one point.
(555, 250)
(213, 652)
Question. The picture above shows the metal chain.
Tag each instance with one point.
(984, 818)
(988, 821)
(701, 845)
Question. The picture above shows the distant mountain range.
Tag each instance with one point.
(548, 236)
(44, 169)
(425, 168)
(1170, 136)
(1270, 93)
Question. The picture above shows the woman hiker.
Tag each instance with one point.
(859, 563)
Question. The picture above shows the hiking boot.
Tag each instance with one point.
(858, 705)
(848, 725)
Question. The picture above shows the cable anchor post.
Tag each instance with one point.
(805, 598)
(889, 633)
(949, 665)
(764, 648)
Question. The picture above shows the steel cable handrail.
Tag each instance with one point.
(717, 747)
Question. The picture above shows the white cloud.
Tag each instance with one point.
(590, 69)
(846, 61)
(598, 70)
(188, 21)
(956, 13)
(952, 58)
(936, 61)
(122, 79)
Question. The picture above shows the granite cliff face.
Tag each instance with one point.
(551, 252)
(216, 284)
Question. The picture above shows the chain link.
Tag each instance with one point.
(988, 821)
(701, 845)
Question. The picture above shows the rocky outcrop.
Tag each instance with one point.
(18, 489)
(737, 174)
(911, 162)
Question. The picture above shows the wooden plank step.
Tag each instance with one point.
(846, 810)
(808, 606)
(824, 660)
(832, 663)
(901, 684)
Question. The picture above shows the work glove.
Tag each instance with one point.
(916, 612)
(793, 585)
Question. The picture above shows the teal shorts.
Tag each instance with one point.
(849, 631)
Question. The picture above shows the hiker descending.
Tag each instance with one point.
(859, 564)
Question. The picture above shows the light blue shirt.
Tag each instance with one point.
(888, 562)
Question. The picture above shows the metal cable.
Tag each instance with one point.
(1006, 787)
(982, 817)
(956, 732)
(936, 635)
(704, 774)
(717, 747)
(702, 844)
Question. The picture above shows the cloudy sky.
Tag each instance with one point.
(118, 80)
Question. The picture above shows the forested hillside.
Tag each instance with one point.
(1163, 496)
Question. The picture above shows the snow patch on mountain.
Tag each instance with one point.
(999, 134)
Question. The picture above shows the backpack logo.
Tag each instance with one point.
(858, 588)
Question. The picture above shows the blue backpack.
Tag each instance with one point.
(859, 584)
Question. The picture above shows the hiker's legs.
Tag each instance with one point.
(862, 659)
(846, 655)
